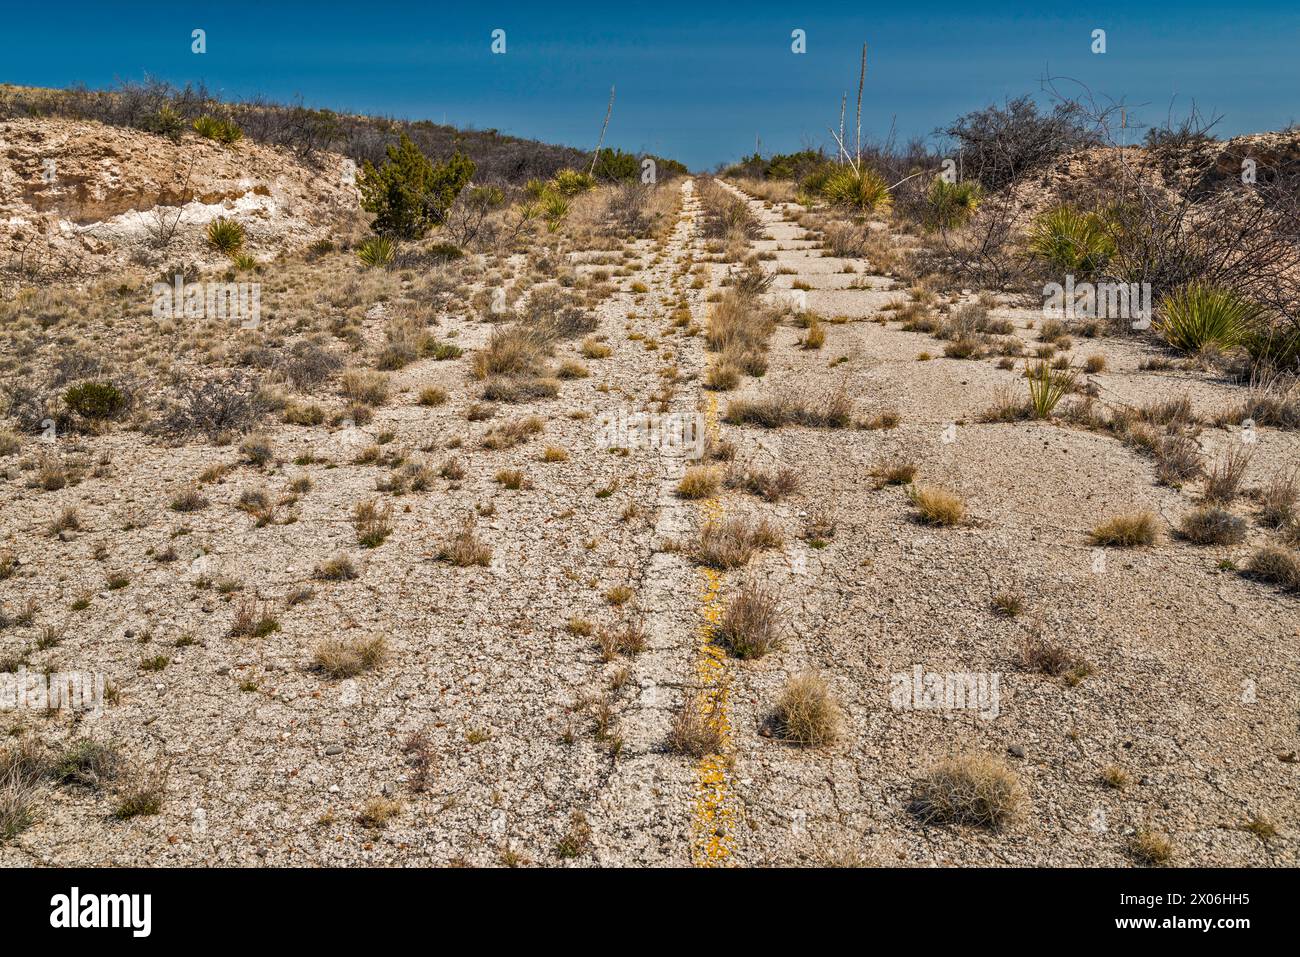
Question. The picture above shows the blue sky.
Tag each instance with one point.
(696, 81)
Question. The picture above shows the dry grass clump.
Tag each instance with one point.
(807, 713)
(1126, 531)
(1212, 526)
(512, 433)
(1277, 500)
(464, 549)
(142, 792)
(897, 472)
(1150, 847)
(348, 657)
(432, 396)
(1008, 604)
(937, 506)
(1038, 654)
(336, 569)
(364, 385)
(1009, 405)
(979, 790)
(833, 412)
(750, 625)
(732, 542)
(771, 485)
(373, 523)
(1277, 565)
(22, 767)
(253, 619)
(1223, 480)
(627, 639)
(378, 811)
(700, 481)
(739, 328)
(696, 730)
(516, 351)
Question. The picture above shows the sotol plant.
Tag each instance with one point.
(1197, 316)
(225, 235)
(1071, 241)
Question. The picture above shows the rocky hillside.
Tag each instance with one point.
(78, 198)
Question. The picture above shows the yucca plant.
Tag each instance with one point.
(1198, 315)
(226, 235)
(555, 206)
(1071, 241)
(571, 182)
(1047, 387)
(376, 251)
(215, 128)
(862, 190)
(951, 204)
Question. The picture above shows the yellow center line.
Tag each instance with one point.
(713, 814)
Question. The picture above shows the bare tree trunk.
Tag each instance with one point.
(601, 142)
(844, 99)
(862, 75)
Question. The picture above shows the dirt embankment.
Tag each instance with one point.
(80, 198)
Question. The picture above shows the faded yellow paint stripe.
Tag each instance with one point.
(712, 831)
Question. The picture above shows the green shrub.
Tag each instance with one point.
(1047, 386)
(862, 191)
(569, 182)
(226, 235)
(1071, 241)
(165, 122)
(223, 131)
(1198, 315)
(948, 205)
(95, 400)
(409, 194)
(377, 251)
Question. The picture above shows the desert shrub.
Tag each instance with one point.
(216, 409)
(1212, 526)
(96, 400)
(1277, 565)
(464, 549)
(409, 194)
(998, 145)
(87, 763)
(1197, 316)
(225, 235)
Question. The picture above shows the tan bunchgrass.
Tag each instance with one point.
(348, 657)
(807, 713)
(978, 789)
